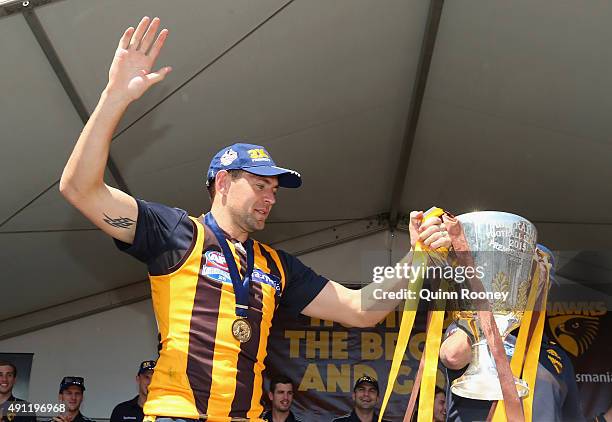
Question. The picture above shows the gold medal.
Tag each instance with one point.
(241, 329)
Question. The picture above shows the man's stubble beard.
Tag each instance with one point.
(252, 225)
(365, 406)
(282, 408)
(246, 221)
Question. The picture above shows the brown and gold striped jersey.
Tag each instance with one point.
(202, 370)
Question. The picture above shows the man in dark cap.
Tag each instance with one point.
(131, 410)
(365, 396)
(71, 396)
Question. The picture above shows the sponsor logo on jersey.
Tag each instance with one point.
(215, 267)
(260, 277)
(215, 259)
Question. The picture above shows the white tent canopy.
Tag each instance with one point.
(512, 114)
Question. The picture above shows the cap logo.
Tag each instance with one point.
(228, 157)
(258, 154)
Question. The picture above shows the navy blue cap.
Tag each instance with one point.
(366, 380)
(146, 365)
(69, 381)
(253, 159)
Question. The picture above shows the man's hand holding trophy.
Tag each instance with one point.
(507, 292)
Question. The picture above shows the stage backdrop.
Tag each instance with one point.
(23, 362)
(584, 330)
(325, 359)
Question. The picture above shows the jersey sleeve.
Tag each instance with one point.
(163, 236)
(302, 285)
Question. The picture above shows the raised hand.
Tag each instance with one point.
(130, 74)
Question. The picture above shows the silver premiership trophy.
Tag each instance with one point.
(503, 247)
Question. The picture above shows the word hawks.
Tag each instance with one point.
(215, 268)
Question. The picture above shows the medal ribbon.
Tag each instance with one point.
(422, 255)
(241, 286)
(529, 341)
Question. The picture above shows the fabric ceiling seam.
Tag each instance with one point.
(4, 336)
(75, 99)
(212, 62)
(91, 229)
(60, 71)
(130, 284)
(427, 48)
(11, 7)
(86, 229)
(112, 167)
(381, 219)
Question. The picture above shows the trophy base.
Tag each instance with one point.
(484, 387)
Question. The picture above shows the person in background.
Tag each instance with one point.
(281, 396)
(439, 411)
(131, 410)
(556, 395)
(8, 409)
(71, 395)
(439, 407)
(604, 417)
(365, 397)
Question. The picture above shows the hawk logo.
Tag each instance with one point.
(575, 333)
(228, 157)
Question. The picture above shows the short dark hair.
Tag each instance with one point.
(235, 173)
(439, 390)
(280, 379)
(7, 363)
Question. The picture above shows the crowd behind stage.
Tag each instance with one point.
(365, 399)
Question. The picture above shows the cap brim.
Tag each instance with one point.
(366, 382)
(63, 387)
(286, 178)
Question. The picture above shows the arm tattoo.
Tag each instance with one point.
(121, 222)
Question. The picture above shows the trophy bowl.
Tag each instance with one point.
(503, 247)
